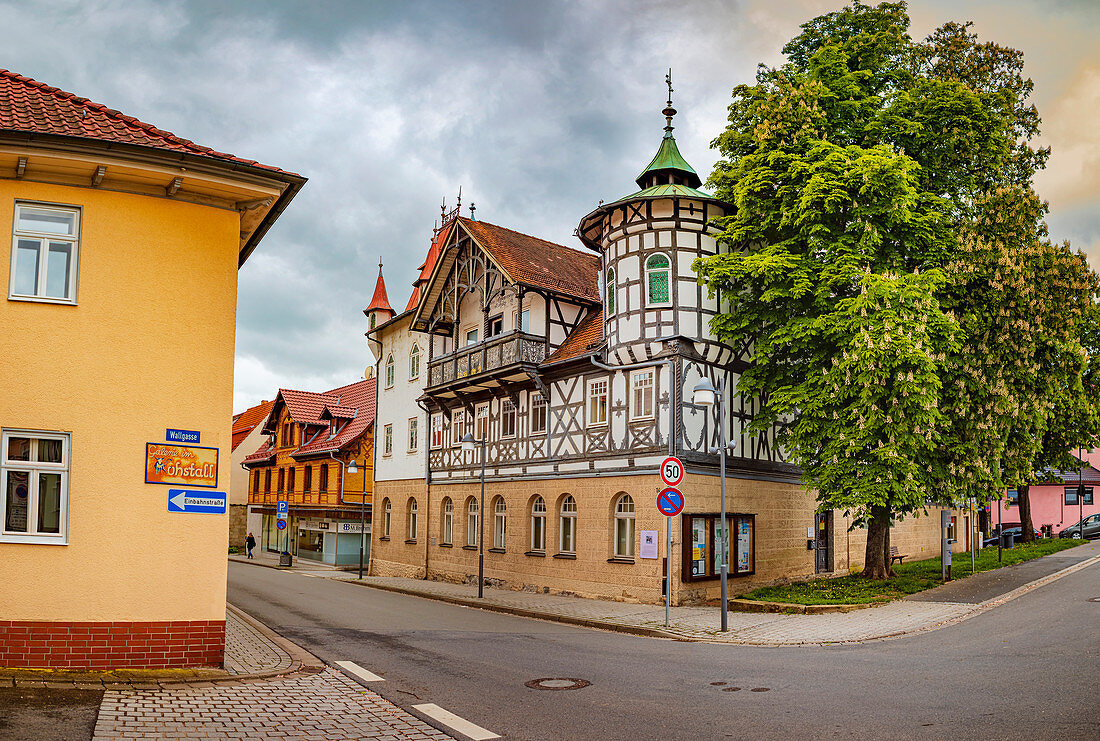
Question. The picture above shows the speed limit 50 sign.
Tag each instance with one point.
(672, 471)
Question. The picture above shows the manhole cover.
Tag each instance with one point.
(557, 683)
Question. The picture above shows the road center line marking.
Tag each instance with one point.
(449, 719)
(353, 668)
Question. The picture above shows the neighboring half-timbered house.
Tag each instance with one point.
(576, 367)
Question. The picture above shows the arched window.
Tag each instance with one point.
(624, 527)
(389, 371)
(568, 525)
(414, 362)
(448, 521)
(658, 280)
(500, 522)
(385, 518)
(538, 524)
(471, 522)
(411, 513)
(610, 302)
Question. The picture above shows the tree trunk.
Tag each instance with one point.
(1027, 533)
(877, 560)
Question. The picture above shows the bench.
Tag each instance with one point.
(895, 556)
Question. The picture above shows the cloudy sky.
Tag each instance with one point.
(537, 110)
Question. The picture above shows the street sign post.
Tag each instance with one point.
(670, 502)
(196, 502)
(672, 471)
(281, 524)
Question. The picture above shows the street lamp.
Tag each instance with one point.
(705, 395)
(353, 469)
(468, 443)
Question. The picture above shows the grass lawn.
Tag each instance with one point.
(910, 577)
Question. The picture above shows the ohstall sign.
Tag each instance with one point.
(186, 465)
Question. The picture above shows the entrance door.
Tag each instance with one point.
(823, 542)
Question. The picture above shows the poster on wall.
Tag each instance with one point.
(649, 544)
(744, 546)
(187, 465)
(698, 546)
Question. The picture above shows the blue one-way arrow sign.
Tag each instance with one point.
(196, 502)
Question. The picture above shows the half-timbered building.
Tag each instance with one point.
(576, 368)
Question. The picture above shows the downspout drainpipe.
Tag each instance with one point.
(427, 486)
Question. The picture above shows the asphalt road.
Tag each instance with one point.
(1028, 669)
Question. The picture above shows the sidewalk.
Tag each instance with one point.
(893, 619)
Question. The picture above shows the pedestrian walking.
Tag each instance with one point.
(250, 543)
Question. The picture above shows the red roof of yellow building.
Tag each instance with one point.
(247, 420)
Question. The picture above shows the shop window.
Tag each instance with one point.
(702, 545)
(658, 275)
(44, 254)
(597, 401)
(471, 523)
(641, 397)
(507, 418)
(34, 473)
(414, 362)
(567, 525)
(410, 511)
(538, 524)
(538, 414)
(447, 530)
(624, 527)
(500, 523)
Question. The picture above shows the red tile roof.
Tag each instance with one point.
(428, 265)
(357, 398)
(583, 340)
(265, 453)
(537, 262)
(246, 421)
(34, 107)
(380, 300)
(414, 299)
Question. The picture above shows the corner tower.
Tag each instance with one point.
(647, 241)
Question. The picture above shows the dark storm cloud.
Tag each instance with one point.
(536, 109)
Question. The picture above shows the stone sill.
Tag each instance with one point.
(567, 556)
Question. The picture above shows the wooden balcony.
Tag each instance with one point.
(487, 364)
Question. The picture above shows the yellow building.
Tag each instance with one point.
(116, 380)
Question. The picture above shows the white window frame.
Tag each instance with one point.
(387, 440)
(518, 318)
(412, 511)
(458, 427)
(624, 519)
(414, 362)
(475, 330)
(567, 522)
(44, 238)
(472, 515)
(508, 412)
(481, 421)
(646, 270)
(593, 393)
(414, 434)
(500, 523)
(642, 389)
(609, 295)
(538, 402)
(437, 431)
(390, 371)
(387, 516)
(538, 525)
(448, 521)
(34, 468)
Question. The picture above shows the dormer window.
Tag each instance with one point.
(658, 279)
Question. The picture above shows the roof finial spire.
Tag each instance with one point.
(459, 206)
(472, 209)
(669, 111)
(443, 210)
(380, 265)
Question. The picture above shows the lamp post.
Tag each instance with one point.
(706, 395)
(468, 443)
(353, 469)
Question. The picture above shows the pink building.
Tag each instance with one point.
(1054, 501)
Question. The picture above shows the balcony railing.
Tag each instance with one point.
(495, 353)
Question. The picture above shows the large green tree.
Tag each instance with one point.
(883, 194)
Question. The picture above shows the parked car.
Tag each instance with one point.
(1090, 527)
(1015, 532)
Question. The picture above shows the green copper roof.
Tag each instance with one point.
(668, 157)
(668, 190)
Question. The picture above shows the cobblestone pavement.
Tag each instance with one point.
(248, 651)
(692, 623)
(320, 707)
